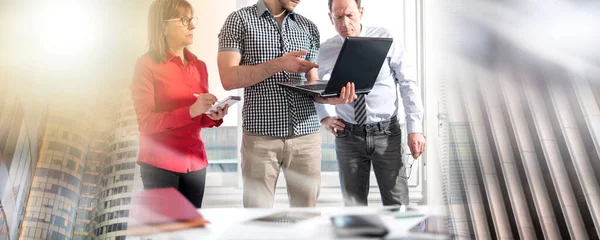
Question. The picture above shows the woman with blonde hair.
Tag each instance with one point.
(170, 96)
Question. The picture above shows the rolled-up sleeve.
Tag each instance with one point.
(405, 75)
(232, 34)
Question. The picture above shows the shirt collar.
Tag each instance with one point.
(188, 55)
(363, 31)
(261, 8)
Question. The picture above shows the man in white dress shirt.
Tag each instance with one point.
(367, 130)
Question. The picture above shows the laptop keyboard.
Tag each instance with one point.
(315, 87)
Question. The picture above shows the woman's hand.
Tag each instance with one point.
(221, 112)
(203, 103)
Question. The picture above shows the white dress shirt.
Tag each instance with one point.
(382, 101)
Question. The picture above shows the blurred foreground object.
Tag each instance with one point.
(163, 209)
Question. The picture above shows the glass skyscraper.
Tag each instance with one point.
(55, 189)
(22, 122)
(119, 178)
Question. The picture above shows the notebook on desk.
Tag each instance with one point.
(162, 210)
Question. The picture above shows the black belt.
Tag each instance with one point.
(380, 126)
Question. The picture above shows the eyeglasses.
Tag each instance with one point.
(408, 168)
(185, 20)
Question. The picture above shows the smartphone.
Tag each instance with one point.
(221, 104)
(369, 225)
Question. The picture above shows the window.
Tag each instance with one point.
(89, 178)
(57, 221)
(129, 154)
(54, 188)
(71, 164)
(85, 202)
(72, 180)
(65, 192)
(99, 231)
(83, 214)
(75, 152)
(221, 148)
(54, 174)
(108, 170)
(124, 177)
(56, 146)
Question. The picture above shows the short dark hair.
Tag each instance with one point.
(357, 3)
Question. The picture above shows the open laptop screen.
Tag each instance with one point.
(359, 61)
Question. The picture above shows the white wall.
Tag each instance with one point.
(381, 13)
(211, 16)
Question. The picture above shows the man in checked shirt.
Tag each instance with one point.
(259, 46)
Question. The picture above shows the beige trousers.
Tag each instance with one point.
(264, 156)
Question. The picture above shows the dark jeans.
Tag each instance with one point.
(190, 185)
(380, 144)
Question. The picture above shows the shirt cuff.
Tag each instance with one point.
(321, 111)
(414, 127)
(206, 122)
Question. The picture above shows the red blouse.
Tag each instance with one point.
(162, 93)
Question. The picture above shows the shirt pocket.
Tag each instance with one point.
(297, 39)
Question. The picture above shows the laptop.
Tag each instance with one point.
(359, 61)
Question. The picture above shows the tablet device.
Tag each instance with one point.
(221, 104)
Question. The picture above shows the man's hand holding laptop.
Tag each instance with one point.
(347, 95)
(292, 62)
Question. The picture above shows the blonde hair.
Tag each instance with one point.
(162, 10)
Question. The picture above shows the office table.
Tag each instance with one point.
(233, 223)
